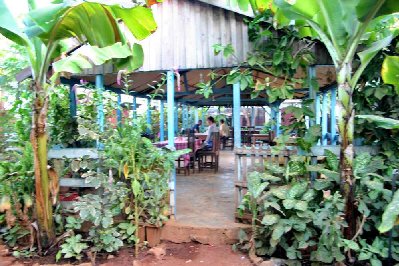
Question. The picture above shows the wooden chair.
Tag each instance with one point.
(213, 155)
(230, 141)
(189, 134)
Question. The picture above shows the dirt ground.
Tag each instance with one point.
(187, 254)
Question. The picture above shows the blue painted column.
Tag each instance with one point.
(317, 109)
(170, 85)
(202, 128)
(184, 117)
(161, 121)
(324, 122)
(72, 101)
(119, 110)
(196, 118)
(149, 112)
(134, 107)
(176, 117)
(236, 114)
(333, 119)
(276, 118)
(100, 105)
(312, 92)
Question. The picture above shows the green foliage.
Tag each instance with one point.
(72, 248)
(391, 213)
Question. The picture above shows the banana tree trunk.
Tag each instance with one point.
(346, 128)
(44, 211)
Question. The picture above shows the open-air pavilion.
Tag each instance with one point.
(184, 59)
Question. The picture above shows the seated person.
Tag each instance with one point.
(207, 145)
(196, 127)
(224, 131)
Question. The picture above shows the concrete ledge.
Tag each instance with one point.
(176, 232)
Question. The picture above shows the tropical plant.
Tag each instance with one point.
(146, 170)
(95, 27)
(348, 29)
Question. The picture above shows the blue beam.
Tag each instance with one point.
(333, 120)
(324, 122)
(100, 105)
(119, 110)
(276, 117)
(134, 107)
(72, 101)
(170, 85)
(236, 115)
(161, 121)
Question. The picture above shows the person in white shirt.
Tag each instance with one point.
(224, 132)
(211, 129)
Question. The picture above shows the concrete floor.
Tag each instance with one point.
(206, 199)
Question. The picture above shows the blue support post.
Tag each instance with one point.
(278, 124)
(72, 101)
(324, 122)
(312, 91)
(100, 105)
(176, 120)
(196, 118)
(317, 109)
(203, 119)
(171, 134)
(149, 112)
(161, 121)
(236, 114)
(119, 110)
(333, 119)
(185, 117)
(276, 117)
(134, 107)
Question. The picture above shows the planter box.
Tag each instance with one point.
(153, 235)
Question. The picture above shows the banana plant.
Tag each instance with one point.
(96, 29)
(353, 33)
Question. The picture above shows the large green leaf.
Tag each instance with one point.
(387, 7)
(88, 21)
(87, 56)
(390, 214)
(383, 122)
(390, 71)
(9, 27)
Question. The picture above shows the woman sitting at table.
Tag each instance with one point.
(207, 145)
(224, 132)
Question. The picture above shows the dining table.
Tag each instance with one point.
(260, 137)
(201, 136)
(181, 143)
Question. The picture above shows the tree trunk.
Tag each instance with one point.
(346, 128)
(44, 211)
